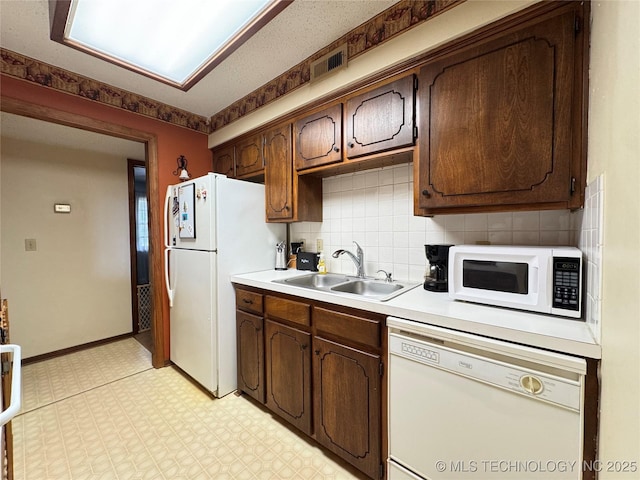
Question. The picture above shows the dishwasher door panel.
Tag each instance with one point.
(446, 426)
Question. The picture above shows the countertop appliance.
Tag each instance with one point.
(464, 406)
(438, 257)
(538, 279)
(214, 228)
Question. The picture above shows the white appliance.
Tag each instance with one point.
(214, 227)
(538, 279)
(463, 406)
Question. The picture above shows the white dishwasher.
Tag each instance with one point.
(468, 407)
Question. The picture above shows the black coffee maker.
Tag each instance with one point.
(438, 256)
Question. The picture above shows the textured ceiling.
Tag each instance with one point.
(295, 34)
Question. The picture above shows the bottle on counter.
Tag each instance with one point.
(322, 266)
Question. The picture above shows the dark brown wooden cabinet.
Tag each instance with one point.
(249, 159)
(500, 122)
(278, 174)
(250, 343)
(318, 138)
(323, 371)
(347, 410)
(224, 161)
(381, 119)
(288, 362)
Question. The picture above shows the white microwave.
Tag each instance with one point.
(537, 279)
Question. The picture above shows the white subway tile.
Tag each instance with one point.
(526, 238)
(435, 238)
(476, 222)
(454, 223)
(526, 221)
(400, 239)
(500, 238)
(473, 238)
(386, 176)
(371, 178)
(401, 223)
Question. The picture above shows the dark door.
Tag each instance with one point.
(139, 247)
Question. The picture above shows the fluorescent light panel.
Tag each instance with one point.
(171, 39)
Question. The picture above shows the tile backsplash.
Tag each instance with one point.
(375, 208)
(591, 242)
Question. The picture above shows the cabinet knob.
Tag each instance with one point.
(336, 149)
(317, 352)
(250, 302)
(350, 144)
(303, 346)
(426, 193)
(286, 207)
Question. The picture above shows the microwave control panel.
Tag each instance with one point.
(566, 283)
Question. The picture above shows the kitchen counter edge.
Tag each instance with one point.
(569, 336)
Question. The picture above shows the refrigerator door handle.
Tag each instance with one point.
(167, 282)
(167, 199)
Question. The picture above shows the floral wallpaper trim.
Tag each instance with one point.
(386, 25)
(32, 70)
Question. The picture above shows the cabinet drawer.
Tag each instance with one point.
(249, 301)
(284, 309)
(357, 329)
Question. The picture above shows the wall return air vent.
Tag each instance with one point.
(331, 62)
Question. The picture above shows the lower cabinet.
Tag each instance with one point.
(347, 403)
(321, 370)
(288, 363)
(250, 338)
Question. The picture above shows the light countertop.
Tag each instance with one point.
(553, 333)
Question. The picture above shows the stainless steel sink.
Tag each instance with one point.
(338, 284)
(316, 281)
(368, 288)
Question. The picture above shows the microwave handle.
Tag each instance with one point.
(533, 284)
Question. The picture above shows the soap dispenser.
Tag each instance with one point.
(322, 266)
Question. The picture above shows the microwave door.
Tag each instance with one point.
(509, 277)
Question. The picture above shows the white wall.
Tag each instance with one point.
(614, 153)
(75, 288)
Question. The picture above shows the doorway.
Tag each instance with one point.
(139, 247)
(20, 107)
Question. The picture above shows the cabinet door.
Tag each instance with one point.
(224, 161)
(496, 121)
(249, 159)
(278, 174)
(288, 362)
(318, 138)
(347, 410)
(381, 119)
(250, 338)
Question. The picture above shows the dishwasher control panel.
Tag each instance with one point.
(497, 371)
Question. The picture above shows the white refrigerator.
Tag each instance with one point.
(214, 227)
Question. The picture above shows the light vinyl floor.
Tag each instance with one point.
(104, 413)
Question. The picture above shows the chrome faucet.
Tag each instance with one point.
(358, 258)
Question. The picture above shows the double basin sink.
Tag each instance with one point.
(340, 284)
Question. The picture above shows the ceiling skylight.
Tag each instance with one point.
(175, 41)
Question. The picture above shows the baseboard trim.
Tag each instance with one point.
(77, 348)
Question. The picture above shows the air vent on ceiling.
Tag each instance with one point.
(332, 61)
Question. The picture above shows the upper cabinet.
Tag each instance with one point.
(288, 198)
(319, 138)
(278, 173)
(249, 159)
(381, 119)
(500, 122)
(224, 161)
